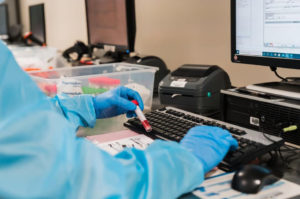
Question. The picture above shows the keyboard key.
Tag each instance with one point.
(243, 145)
(241, 132)
(248, 149)
(162, 109)
(235, 156)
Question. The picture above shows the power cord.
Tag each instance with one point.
(287, 149)
(277, 153)
(268, 138)
(274, 69)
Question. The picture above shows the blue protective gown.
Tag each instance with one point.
(41, 157)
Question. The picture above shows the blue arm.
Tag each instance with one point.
(78, 109)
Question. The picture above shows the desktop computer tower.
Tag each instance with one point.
(265, 113)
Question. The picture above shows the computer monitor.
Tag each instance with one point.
(4, 33)
(111, 24)
(266, 32)
(37, 22)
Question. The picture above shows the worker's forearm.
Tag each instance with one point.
(79, 109)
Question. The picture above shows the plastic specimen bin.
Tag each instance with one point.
(97, 79)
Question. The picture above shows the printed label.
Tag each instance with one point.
(180, 84)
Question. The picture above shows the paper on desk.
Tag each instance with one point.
(218, 187)
(115, 142)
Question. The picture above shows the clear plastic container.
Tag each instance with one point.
(97, 79)
(35, 57)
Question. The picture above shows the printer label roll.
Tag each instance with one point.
(180, 84)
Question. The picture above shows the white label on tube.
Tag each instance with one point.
(140, 114)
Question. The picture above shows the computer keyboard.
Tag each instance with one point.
(172, 124)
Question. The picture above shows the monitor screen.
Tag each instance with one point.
(37, 22)
(266, 32)
(111, 23)
(3, 21)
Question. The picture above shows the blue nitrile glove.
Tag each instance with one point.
(209, 144)
(116, 102)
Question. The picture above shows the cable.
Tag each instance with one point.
(264, 134)
(277, 152)
(280, 155)
(272, 156)
(274, 69)
(290, 157)
(290, 149)
(286, 160)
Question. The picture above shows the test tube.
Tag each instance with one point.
(142, 117)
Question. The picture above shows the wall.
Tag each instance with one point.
(12, 11)
(190, 31)
(65, 21)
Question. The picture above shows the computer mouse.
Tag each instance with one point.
(252, 178)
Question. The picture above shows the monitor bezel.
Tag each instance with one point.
(131, 29)
(7, 20)
(44, 21)
(256, 60)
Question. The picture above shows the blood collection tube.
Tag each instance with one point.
(142, 117)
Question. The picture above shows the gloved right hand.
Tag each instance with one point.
(117, 101)
(209, 144)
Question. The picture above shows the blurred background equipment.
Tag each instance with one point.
(76, 52)
(155, 62)
(4, 22)
(111, 26)
(37, 24)
(31, 39)
(9, 19)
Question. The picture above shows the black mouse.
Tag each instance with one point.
(252, 178)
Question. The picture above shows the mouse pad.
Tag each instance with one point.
(219, 187)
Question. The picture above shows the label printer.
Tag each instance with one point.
(195, 88)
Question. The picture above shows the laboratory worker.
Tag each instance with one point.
(41, 157)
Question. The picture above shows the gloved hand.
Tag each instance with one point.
(209, 144)
(116, 102)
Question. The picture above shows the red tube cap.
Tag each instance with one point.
(135, 102)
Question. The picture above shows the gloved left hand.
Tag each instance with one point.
(209, 144)
(116, 102)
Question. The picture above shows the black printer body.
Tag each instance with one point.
(195, 88)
